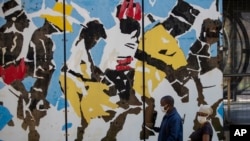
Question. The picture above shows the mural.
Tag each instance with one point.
(96, 70)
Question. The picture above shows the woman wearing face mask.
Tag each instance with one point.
(171, 128)
(205, 131)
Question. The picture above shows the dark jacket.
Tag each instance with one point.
(206, 128)
(171, 128)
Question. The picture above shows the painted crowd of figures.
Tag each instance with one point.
(152, 57)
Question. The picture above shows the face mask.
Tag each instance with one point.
(163, 109)
(201, 119)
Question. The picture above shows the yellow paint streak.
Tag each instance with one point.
(158, 39)
(151, 75)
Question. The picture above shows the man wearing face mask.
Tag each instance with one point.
(205, 131)
(171, 128)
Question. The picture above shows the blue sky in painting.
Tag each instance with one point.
(100, 9)
(5, 116)
(54, 91)
(159, 8)
(185, 41)
(31, 6)
(28, 82)
(97, 52)
(202, 3)
(2, 21)
(1, 85)
(69, 125)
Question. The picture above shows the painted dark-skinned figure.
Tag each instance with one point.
(41, 68)
(160, 54)
(175, 27)
(201, 62)
(89, 35)
(198, 62)
(129, 15)
(32, 104)
(117, 81)
(12, 65)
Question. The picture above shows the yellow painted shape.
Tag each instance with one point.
(84, 71)
(58, 20)
(72, 93)
(158, 39)
(92, 103)
(151, 74)
(59, 8)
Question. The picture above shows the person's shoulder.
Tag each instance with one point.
(207, 125)
(207, 128)
(176, 115)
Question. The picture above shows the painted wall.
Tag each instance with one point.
(97, 69)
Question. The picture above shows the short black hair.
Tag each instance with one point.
(168, 99)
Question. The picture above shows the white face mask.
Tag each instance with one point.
(201, 119)
(163, 109)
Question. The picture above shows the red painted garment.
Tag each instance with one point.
(122, 68)
(123, 64)
(125, 61)
(13, 72)
(129, 6)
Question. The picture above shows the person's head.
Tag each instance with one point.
(167, 103)
(204, 113)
